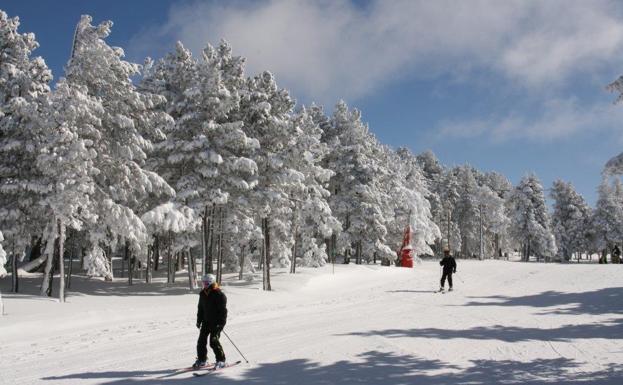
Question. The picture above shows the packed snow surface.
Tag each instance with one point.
(506, 323)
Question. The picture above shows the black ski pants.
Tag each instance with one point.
(443, 279)
(215, 344)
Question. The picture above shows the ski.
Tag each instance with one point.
(212, 370)
(175, 372)
(443, 291)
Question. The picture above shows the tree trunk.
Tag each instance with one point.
(481, 245)
(260, 263)
(109, 257)
(34, 264)
(204, 223)
(15, 273)
(263, 259)
(1, 305)
(156, 252)
(169, 261)
(327, 246)
(70, 267)
(268, 256)
(123, 262)
(128, 257)
(210, 241)
(333, 247)
(219, 258)
(61, 264)
(358, 251)
(191, 274)
(150, 254)
(293, 265)
(523, 252)
(48, 274)
(241, 263)
(193, 261)
(448, 240)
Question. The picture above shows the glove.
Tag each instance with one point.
(454, 271)
(198, 325)
(219, 328)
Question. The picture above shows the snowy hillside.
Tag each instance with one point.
(507, 322)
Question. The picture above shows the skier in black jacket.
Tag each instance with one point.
(449, 267)
(211, 319)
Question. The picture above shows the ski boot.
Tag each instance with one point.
(199, 364)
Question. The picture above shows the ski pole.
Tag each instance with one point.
(232, 342)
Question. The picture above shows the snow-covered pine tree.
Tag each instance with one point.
(568, 219)
(24, 90)
(266, 112)
(493, 221)
(130, 122)
(358, 199)
(468, 211)
(312, 218)
(530, 222)
(391, 198)
(238, 172)
(608, 216)
(330, 139)
(241, 240)
(448, 190)
(206, 155)
(66, 162)
(493, 195)
(176, 157)
(433, 173)
(410, 194)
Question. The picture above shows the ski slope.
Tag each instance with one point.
(506, 323)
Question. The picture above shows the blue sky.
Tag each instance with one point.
(510, 86)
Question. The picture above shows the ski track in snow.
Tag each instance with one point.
(506, 323)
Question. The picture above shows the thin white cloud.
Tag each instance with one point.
(558, 119)
(325, 49)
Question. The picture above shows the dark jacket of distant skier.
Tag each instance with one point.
(449, 265)
(212, 309)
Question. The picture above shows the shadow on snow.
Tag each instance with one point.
(602, 301)
(381, 368)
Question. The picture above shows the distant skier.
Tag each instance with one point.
(449, 267)
(211, 319)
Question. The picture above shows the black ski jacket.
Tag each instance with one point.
(212, 308)
(449, 264)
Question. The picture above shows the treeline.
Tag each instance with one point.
(190, 159)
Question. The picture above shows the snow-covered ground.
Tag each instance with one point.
(507, 322)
